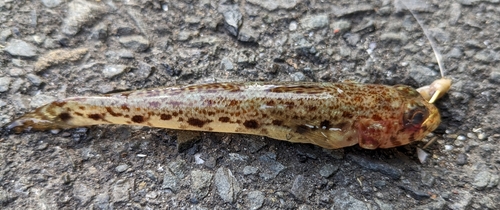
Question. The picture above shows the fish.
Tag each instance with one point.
(330, 115)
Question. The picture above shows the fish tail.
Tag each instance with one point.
(47, 117)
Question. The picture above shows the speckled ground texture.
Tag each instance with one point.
(53, 49)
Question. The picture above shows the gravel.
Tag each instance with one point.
(17, 47)
(55, 49)
(200, 182)
(227, 185)
(255, 199)
(5, 83)
(136, 43)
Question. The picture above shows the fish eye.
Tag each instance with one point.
(414, 117)
(417, 118)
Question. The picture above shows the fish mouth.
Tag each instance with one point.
(433, 120)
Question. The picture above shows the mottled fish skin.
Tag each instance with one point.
(331, 115)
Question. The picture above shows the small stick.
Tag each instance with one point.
(441, 86)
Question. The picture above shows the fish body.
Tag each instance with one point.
(330, 115)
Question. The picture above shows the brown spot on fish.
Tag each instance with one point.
(235, 90)
(197, 122)
(175, 114)
(349, 139)
(253, 124)
(264, 131)
(301, 129)
(314, 92)
(224, 119)
(64, 116)
(299, 89)
(165, 117)
(395, 142)
(234, 103)
(376, 117)
(79, 114)
(277, 122)
(231, 87)
(180, 119)
(125, 107)
(95, 116)
(347, 115)
(209, 102)
(112, 113)
(276, 90)
(81, 107)
(137, 119)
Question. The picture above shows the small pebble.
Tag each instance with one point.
(51, 3)
(226, 64)
(233, 21)
(197, 159)
(327, 170)
(461, 159)
(471, 135)
(136, 43)
(249, 170)
(4, 83)
(113, 70)
(255, 199)
(237, 157)
(292, 26)
(448, 147)
(314, 21)
(15, 72)
(121, 168)
(34, 79)
(298, 76)
(18, 47)
(42, 146)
